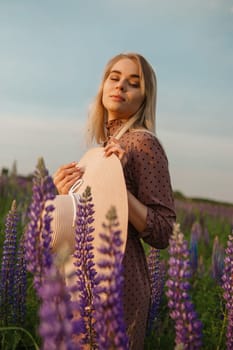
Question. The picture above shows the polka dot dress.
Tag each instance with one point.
(147, 178)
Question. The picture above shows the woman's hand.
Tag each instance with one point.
(66, 176)
(114, 147)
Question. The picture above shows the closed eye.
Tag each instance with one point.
(135, 85)
(114, 77)
(132, 83)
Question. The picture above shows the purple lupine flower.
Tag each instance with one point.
(227, 286)
(108, 306)
(193, 251)
(38, 235)
(85, 270)
(217, 260)
(196, 231)
(189, 217)
(157, 273)
(7, 288)
(20, 285)
(55, 312)
(188, 327)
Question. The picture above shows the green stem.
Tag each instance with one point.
(222, 331)
(2, 329)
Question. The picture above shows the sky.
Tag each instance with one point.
(52, 55)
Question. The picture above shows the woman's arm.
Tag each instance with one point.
(153, 189)
(137, 213)
(151, 207)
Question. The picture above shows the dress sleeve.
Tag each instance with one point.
(154, 190)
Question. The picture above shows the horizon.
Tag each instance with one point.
(52, 58)
(178, 195)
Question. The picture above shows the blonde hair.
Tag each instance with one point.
(144, 117)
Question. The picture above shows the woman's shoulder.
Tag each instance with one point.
(144, 135)
(146, 140)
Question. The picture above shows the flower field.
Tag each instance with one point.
(191, 281)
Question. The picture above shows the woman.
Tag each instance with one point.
(122, 118)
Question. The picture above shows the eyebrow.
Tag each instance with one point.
(131, 75)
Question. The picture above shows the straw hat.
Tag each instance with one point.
(105, 177)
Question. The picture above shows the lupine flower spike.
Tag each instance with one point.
(7, 280)
(157, 280)
(37, 235)
(110, 327)
(196, 231)
(187, 326)
(227, 279)
(20, 285)
(85, 271)
(55, 312)
(217, 260)
(194, 251)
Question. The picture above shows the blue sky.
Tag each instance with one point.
(52, 54)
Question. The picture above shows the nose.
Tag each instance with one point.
(121, 85)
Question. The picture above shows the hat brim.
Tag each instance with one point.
(104, 175)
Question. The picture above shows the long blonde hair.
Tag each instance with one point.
(145, 116)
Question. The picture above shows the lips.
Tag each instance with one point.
(117, 98)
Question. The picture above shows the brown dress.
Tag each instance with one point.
(147, 178)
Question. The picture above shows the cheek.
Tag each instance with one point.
(139, 100)
(106, 89)
(106, 85)
(104, 93)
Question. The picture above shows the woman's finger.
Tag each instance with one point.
(64, 186)
(114, 147)
(63, 175)
(65, 170)
(66, 176)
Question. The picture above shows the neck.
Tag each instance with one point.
(123, 120)
(127, 125)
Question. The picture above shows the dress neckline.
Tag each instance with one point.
(112, 126)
